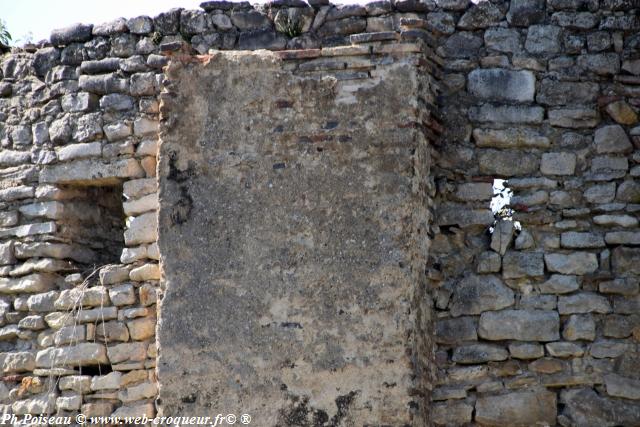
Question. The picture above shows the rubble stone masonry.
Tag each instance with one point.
(284, 210)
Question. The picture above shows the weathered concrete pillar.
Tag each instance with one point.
(293, 239)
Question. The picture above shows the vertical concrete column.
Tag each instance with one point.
(292, 232)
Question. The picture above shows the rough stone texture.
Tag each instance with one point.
(241, 276)
(570, 151)
(517, 409)
(522, 325)
(476, 294)
(502, 85)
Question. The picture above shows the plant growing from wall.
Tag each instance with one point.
(288, 25)
(5, 36)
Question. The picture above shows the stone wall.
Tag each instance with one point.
(305, 205)
(533, 326)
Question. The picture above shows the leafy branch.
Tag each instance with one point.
(5, 36)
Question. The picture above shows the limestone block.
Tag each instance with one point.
(475, 294)
(502, 85)
(33, 283)
(135, 351)
(515, 409)
(91, 171)
(585, 302)
(578, 263)
(145, 272)
(85, 354)
(142, 229)
(521, 325)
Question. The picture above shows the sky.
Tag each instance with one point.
(36, 18)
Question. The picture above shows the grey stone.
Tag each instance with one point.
(564, 349)
(502, 85)
(441, 22)
(42, 303)
(44, 403)
(576, 240)
(85, 354)
(14, 158)
(587, 408)
(474, 191)
(91, 171)
(502, 236)
(521, 325)
(510, 138)
(252, 19)
(100, 66)
(45, 59)
(579, 327)
(619, 386)
(110, 28)
(517, 114)
(7, 253)
(602, 349)
(543, 39)
(134, 351)
(523, 13)
(559, 284)
(72, 33)
(612, 139)
(609, 164)
(481, 15)
(462, 44)
(552, 92)
(507, 162)
(79, 102)
(22, 361)
(479, 353)
(452, 214)
(142, 84)
(600, 63)
(103, 84)
(524, 240)
(455, 331)
(489, 262)
(573, 263)
(522, 264)
(526, 351)
(451, 413)
(88, 127)
(476, 294)
(168, 22)
(140, 25)
(616, 220)
(631, 66)
(575, 21)
(40, 132)
(585, 302)
(601, 193)
(517, 409)
(628, 191)
(574, 118)
(622, 238)
(341, 27)
(625, 260)
(116, 102)
(32, 283)
(21, 136)
(33, 322)
(598, 41)
(558, 163)
(60, 131)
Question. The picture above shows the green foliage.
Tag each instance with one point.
(290, 27)
(5, 36)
